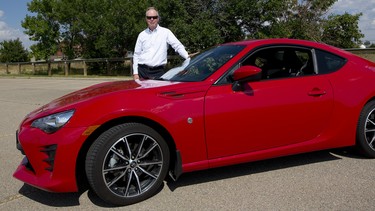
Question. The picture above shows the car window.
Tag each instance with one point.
(282, 62)
(277, 62)
(328, 62)
(204, 64)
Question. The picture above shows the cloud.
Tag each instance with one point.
(9, 33)
(367, 20)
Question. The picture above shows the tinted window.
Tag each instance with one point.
(328, 62)
(204, 64)
(281, 62)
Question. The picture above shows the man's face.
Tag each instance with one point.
(152, 19)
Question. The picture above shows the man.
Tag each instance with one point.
(150, 53)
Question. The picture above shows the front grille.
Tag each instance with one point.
(50, 151)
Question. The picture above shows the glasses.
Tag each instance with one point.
(152, 17)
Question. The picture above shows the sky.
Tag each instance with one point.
(12, 12)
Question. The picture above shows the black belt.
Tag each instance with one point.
(151, 68)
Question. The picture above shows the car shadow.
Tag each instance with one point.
(187, 179)
(50, 199)
(65, 200)
(256, 167)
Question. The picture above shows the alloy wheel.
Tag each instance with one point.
(132, 165)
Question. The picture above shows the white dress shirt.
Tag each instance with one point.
(151, 47)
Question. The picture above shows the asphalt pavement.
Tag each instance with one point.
(326, 180)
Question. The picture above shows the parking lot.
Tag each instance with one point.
(326, 180)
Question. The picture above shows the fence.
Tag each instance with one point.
(103, 66)
(367, 53)
(100, 66)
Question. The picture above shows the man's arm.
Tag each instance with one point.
(136, 54)
(177, 45)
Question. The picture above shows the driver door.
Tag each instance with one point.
(267, 114)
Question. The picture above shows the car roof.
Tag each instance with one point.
(286, 41)
(259, 42)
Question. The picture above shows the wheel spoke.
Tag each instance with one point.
(151, 163)
(114, 169)
(113, 149)
(372, 122)
(148, 173)
(128, 184)
(148, 151)
(116, 179)
(140, 146)
(125, 140)
(372, 141)
(138, 183)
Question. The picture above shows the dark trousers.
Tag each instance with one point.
(147, 72)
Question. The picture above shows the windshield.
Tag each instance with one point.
(203, 65)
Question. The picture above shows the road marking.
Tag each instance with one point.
(17, 196)
(11, 198)
(6, 135)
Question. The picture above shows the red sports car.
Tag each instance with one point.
(234, 103)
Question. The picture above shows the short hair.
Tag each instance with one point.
(152, 8)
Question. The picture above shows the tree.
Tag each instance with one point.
(257, 18)
(69, 31)
(12, 51)
(342, 31)
(89, 28)
(309, 17)
(42, 28)
(109, 28)
(298, 19)
(191, 21)
(196, 28)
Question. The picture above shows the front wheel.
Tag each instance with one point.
(366, 130)
(127, 163)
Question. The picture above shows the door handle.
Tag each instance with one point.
(316, 92)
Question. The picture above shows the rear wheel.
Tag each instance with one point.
(127, 163)
(366, 130)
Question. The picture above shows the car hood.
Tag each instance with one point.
(100, 90)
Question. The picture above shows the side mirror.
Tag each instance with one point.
(244, 74)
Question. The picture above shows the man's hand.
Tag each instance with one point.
(136, 76)
(186, 62)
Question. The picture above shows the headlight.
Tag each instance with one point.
(52, 123)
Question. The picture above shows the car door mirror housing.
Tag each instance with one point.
(243, 74)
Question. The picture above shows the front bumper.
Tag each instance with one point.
(50, 159)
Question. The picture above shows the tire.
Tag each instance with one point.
(365, 142)
(127, 164)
